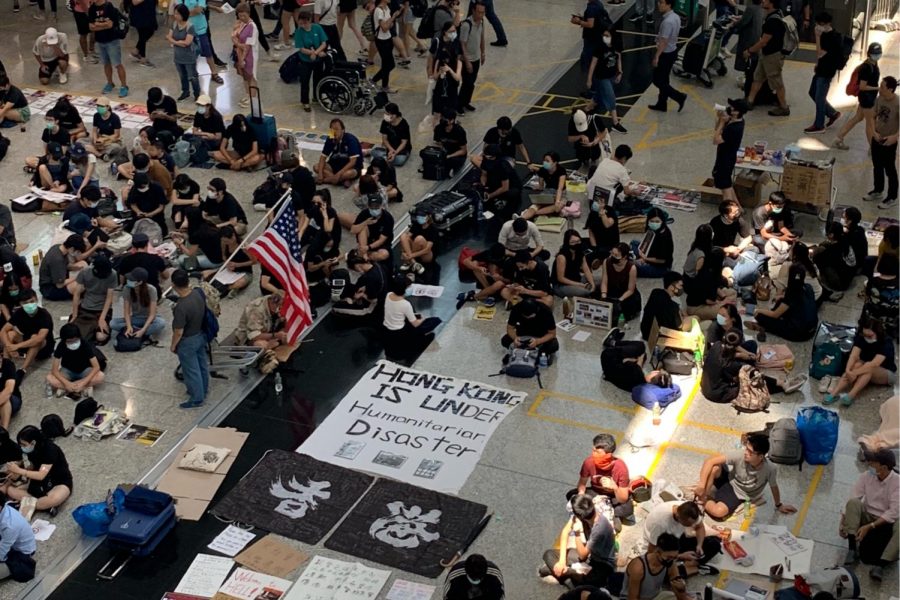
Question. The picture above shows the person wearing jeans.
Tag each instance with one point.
(471, 37)
(829, 49)
(884, 143)
(494, 20)
(183, 37)
(312, 42)
(189, 340)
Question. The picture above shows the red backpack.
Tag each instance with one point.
(853, 84)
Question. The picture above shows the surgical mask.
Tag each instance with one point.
(547, 165)
(595, 206)
(875, 57)
(144, 188)
(820, 28)
(212, 194)
(679, 292)
(387, 118)
(872, 471)
(27, 449)
(421, 219)
(870, 340)
(721, 320)
(101, 110)
(131, 284)
(201, 110)
(49, 125)
(375, 212)
(654, 225)
(332, 133)
(473, 581)
(93, 204)
(13, 293)
(451, 36)
(30, 308)
(777, 210)
(607, 40)
(186, 190)
(73, 345)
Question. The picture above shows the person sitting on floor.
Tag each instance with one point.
(221, 208)
(82, 169)
(106, 130)
(45, 468)
(185, 193)
(657, 260)
(646, 575)
(208, 123)
(871, 515)
(76, 368)
(623, 365)
(147, 200)
(571, 273)
(240, 264)
(733, 234)
(798, 254)
(519, 234)
(10, 395)
(530, 278)
(342, 158)
(363, 297)
(318, 222)
(395, 137)
(17, 543)
(603, 231)
(587, 537)
(729, 480)
(14, 105)
(872, 361)
(619, 282)
(607, 476)
(152, 167)
(244, 153)
(28, 332)
(93, 298)
(202, 245)
(533, 321)
(551, 179)
(87, 202)
(140, 306)
(261, 324)
(52, 132)
(475, 577)
(417, 243)
(406, 332)
(794, 316)
(677, 518)
(773, 224)
(386, 177)
(696, 256)
(709, 290)
(501, 183)
(727, 319)
(662, 307)
(487, 269)
(55, 280)
(374, 231)
(451, 138)
(52, 173)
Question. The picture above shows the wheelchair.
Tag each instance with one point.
(344, 88)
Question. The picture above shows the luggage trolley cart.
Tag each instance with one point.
(223, 358)
(701, 58)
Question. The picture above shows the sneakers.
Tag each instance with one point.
(707, 570)
(464, 297)
(794, 383)
(123, 91)
(781, 111)
(417, 268)
(88, 392)
(887, 203)
(846, 400)
(183, 96)
(405, 267)
(873, 196)
(500, 44)
(612, 338)
(307, 108)
(190, 404)
(60, 392)
(635, 19)
(63, 78)
(833, 119)
(824, 384)
(657, 107)
(620, 128)
(814, 129)
(108, 88)
(851, 558)
(489, 301)
(91, 58)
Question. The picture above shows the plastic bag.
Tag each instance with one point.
(818, 433)
(95, 518)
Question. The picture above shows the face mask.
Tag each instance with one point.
(607, 40)
(870, 340)
(375, 212)
(101, 110)
(13, 293)
(875, 57)
(777, 210)
(74, 345)
(721, 320)
(212, 194)
(421, 219)
(473, 581)
(131, 284)
(388, 118)
(654, 225)
(144, 188)
(679, 292)
(727, 221)
(93, 204)
(451, 36)
(820, 28)
(872, 471)
(201, 110)
(27, 449)
(547, 165)
(49, 125)
(667, 563)
(184, 190)
(332, 133)
(30, 308)
(595, 206)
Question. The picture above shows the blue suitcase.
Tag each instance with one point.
(263, 125)
(135, 530)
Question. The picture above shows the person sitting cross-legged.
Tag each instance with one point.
(261, 325)
(684, 521)
(17, 544)
(531, 324)
(342, 158)
(76, 369)
(44, 467)
(646, 575)
(607, 475)
(872, 362)
(530, 279)
(28, 332)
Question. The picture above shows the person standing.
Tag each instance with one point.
(664, 59)
(884, 143)
(771, 60)
(82, 25)
(189, 340)
(198, 19)
(604, 72)
(104, 18)
(494, 20)
(182, 37)
(748, 28)
(325, 12)
(51, 50)
(594, 20)
(829, 48)
(471, 37)
(245, 39)
(728, 138)
(383, 20)
(346, 14)
(142, 16)
(312, 42)
(868, 75)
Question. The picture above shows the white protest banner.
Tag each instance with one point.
(418, 427)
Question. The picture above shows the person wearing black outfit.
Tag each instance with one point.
(52, 132)
(319, 225)
(500, 182)
(244, 153)
(842, 256)
(163, 110)
(418, 243)
(571, 273)
(551, 179)
(662, 307)
(208, 123)
(28, 332)
(623, 366)
(76, 369)
(709, 291)
(451, 137)
(657, 261)
(374, 230)
(147, 200)
(49, 478)
(363, 297)
(829, 50)
(221, 208)
(396, 144)
(771, 61)
(869, 74)
(139, 257)
(732, 232)
(509, 139)
(476, 577)
(603, 231)
(10, 395)
(794, 316)
(203, 242)
(530, 279)
(532, 320)
(728, 138)
(142, 15)
(619, 282)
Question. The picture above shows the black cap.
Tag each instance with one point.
(141, 179)
(139, 240)
(739, 104)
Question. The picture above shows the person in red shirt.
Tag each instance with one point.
(604, 474)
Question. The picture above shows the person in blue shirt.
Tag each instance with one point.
(312, 42)
(17, 544)
(342, 158)
(201, 27)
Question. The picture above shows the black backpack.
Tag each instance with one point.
(52, 427)
(85, 409)
(426, 25)
(418, 8)
(846, 51)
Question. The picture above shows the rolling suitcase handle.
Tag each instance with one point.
(256, 112)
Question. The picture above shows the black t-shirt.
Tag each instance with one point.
(7, 372)
(719, 382)
(105, 11)
(74, 360)
(625, 375)
(210, 122)
(499, 172)
(762, 216)
(315, 234)
(774, 26)
(705, 286)
(61, 137)
(869, 74)
(591, 132)
(507, 144)
(193, 189)
(169, 107)
(151, 262)
(374, 281)
(69, 119)
(551, 180)
(832, 43)
(726, 234)
(451, 141)
(209, 240)
(109, 125)
(802, 314)
(225, 210)
(242, 257)
(273, 281)
(732, 137)
(663, 308)
(869, 351)
(607, 62)
(384, 226)
(396, 134)
(605, 237)
(663, 247)
(429, 233)
(535, 279)
(242, 141)
(50, 454)
(29, 326)
(149, 200)
(76, 208)
(15, 96)
(538, 326)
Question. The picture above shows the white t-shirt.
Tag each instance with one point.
(48, 52)
(397, 313)
(661, 520)
(381, 14)
(609, 173)
(327, 11)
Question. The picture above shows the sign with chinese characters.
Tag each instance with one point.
(330, 579)
(414, 426)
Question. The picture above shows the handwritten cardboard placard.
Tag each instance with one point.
(271, 556)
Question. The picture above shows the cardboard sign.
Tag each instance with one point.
(593, 313)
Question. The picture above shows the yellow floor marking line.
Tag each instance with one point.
(807, 501)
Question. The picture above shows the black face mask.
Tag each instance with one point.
(667, 563)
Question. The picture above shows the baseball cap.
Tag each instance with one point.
(139, 240)
(51, 36)
(581, 121)
(137, 274)
(79, 223)
(739, 104)
(204, 100)
(102, 101)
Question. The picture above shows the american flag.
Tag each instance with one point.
(278, 250)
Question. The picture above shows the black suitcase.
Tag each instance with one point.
(434, 163)
(446, 208)
(677, 362)
(694, 54)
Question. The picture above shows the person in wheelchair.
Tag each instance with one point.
(451, 137)
(342, 159)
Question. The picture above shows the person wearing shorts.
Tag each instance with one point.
(52, 52)
(771, 59)
(869, 76)
(286, 23)
(347, 14)
(83, 25)
(103, 17)
(13, 104)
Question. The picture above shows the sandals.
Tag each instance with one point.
(217, 78)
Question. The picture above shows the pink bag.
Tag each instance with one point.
(572, 210)
(775, 356)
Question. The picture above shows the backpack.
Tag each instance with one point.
(426, 25)
(785, 447)
(522, 362)
(85, 409)
(818, 431)
(418, 8)
(852, 88)
(677, 362)
(648, 395)
(752, 394)
(367, 29)
(846, 51)
(149, 227)
(122, 26)
(123, 343)
(837, 581)
(52, 427)
(181, 153)
(791, 35)
(199, 152)
(210, 319)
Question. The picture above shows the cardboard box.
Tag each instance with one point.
(193, 490)
(807, 184)
(689, 338)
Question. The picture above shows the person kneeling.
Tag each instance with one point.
(46, 470)
(260, 323)
(76, 368)
(406, 332)
(531, 319)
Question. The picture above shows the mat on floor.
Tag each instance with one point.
(293, 495)
(407, 527)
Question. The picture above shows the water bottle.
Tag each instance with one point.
(657, 414)
(543, 360)
(48, 390)
(621, 322)
(279, 386)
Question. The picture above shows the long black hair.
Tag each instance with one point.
(573, 253)
(703, 238)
